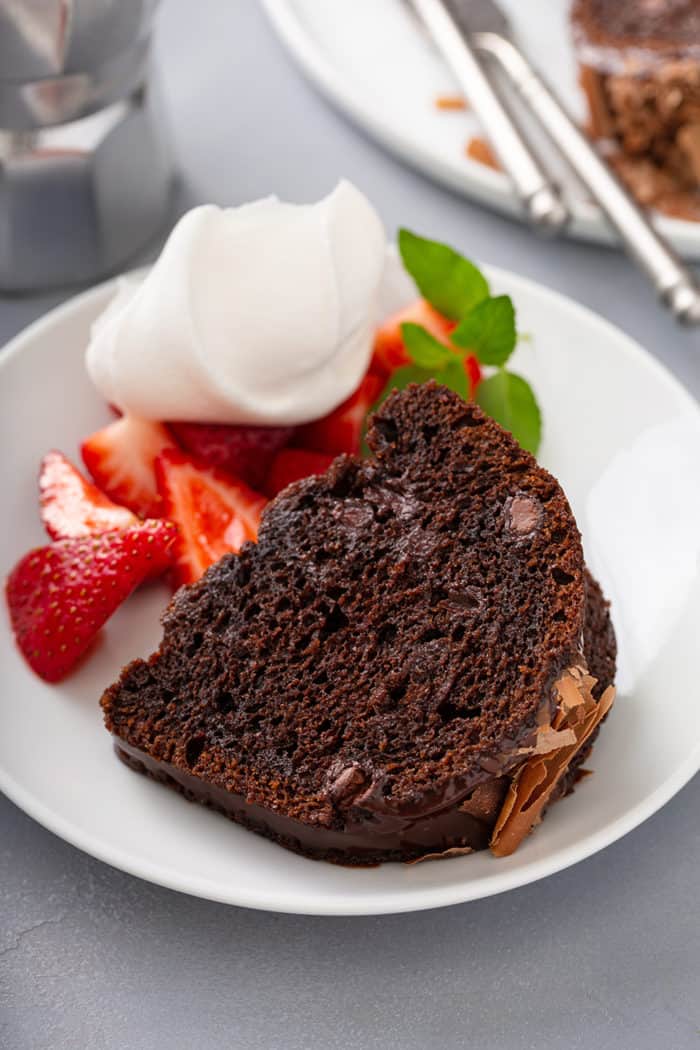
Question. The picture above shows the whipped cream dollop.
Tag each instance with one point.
(257, 314)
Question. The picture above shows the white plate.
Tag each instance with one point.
(600, 394)
(373, 62)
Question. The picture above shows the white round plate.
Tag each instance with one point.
(372, 60)
(622, 436)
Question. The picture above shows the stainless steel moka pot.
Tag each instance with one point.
(85, 173)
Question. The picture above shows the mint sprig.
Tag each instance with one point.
(488, 331)
(486, 328)
(450, 283)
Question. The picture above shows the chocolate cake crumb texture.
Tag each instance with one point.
(390, 642)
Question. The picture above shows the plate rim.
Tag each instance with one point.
(418, 899)
(476, 181)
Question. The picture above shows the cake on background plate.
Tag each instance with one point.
(639, 64)
(412, 661)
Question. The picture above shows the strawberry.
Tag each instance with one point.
(245, 451)
(121, 459)
(215, 512)
(292, 464)
(72, 506)
(341, 430)
(60, 595)
(389, 352)
(473, 370)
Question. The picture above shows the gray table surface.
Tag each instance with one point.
(606, 954)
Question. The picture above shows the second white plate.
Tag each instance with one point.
(371, 59)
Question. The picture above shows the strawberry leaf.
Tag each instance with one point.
(449, 282)
(488, 331)
(508, 398)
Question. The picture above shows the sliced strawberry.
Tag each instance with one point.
(216, 513)
(473, 370)
(292, 464)
(72, 506)
(121, 459)
(341, 430)
(60, 595)
(389, 351)
(245, 451)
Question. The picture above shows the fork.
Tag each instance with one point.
(463, 31)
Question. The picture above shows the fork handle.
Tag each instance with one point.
(673, 281)
(538, 195)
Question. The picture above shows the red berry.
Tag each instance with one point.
(72, 506)
(59, 596)
(245, 451)
(121, 459)
(292, 464)
(215, 512)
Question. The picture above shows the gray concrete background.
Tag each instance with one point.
(606, 954)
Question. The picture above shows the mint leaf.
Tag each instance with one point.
(449, 282)
(509, 399)
(489, 331)
(444, 364)
(423, 348)
(454, 377)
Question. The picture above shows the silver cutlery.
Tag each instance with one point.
(471, 34)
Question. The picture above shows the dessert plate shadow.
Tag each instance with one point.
(374, 63)
(624, 439)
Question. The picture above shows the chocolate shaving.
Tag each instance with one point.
(485, 801)
(453, 851)
(577, 716)
(549, 739)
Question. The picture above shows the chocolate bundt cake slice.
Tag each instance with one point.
(411, 661)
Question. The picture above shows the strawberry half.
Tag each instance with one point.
(121, 459)
(59, 596)
(292, 464)
(244, 451)
(341, 430)
(215, 512)
(72, 506)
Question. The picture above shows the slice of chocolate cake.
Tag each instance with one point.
(640, 71)
(400, 667)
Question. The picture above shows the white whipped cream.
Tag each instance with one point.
(258, 314)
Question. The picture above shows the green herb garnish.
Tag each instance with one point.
(488, 331)
(485, 327)
(450, 283)
(508, 398)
